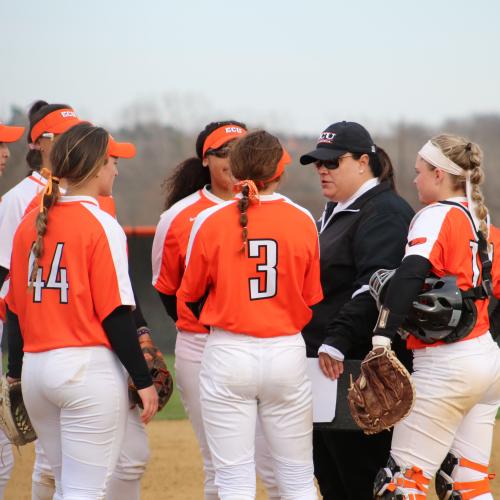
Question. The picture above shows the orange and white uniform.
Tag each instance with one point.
(457, 384)
(168, 260)
(71, 292)
(169, 251)
(12, 209)
(438, 233)
(82, 278)
(258, 300)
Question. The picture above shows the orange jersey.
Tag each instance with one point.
(169, 251)
(82, 278)
(265, 290)
(444, 235)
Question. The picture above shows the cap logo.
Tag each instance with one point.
(326, 137)
(68, 114)
(233, 130)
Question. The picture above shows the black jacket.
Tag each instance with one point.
(371, 234)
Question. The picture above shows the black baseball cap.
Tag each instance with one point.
(338, 139)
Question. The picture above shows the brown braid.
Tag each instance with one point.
(77, 156)
(48, 201)
(243, 203)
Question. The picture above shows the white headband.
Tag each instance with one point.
(433, 155)
(436, 158)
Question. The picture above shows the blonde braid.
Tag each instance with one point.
(469, 156)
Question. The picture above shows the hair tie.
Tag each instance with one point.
(468, 147)
(48, 187)
(253, 192)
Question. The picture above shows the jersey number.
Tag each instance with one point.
(58, 278)
(268, 267)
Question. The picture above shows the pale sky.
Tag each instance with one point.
(292, 66)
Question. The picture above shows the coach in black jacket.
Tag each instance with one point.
(363, 228)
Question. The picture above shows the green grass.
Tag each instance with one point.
(173, 409)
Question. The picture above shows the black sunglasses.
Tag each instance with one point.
(219, 153)
(331, 164)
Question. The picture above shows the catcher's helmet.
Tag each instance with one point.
(440, 312)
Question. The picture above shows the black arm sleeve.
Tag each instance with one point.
(3, 274)
(495, 317)
(15, 345)
(137, 313)
(120, 329)
(170, 304)
(378, 244)
(403, 288)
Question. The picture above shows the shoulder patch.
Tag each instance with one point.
(417, 241)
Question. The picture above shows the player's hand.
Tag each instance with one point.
(11, 380)
(330, 367)
(149, 398)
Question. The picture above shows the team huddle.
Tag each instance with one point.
(255, 287)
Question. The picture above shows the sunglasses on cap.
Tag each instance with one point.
(219, 153)
(331, 164)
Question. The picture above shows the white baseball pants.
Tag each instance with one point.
(243, 378)
(458, 394)
(77, 401)
(188, 354)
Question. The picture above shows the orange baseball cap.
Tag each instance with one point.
(10, 134)
(221, 135)
(56, 122)
(120, 149)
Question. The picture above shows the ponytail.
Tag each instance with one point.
(49, 198)
(243, 203)
(187, 178)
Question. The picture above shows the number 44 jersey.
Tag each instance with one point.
(81, 278)
(264, 287)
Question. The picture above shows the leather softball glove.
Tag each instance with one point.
(383, 394)
(162, 379)
(14, 418)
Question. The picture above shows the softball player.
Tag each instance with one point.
(450, 430)
(259, 276)
(125, 481)
(198, 183)
(7, 135)
(75, 319)
(47, 121)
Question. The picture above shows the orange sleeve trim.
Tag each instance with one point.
(142, 231)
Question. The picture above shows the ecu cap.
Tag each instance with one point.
(339, 138)
(56, 122)
(10, 134)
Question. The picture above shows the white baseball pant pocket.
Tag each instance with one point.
(77, 401)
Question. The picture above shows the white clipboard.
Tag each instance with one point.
(324, 392)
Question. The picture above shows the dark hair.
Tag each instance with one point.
(190, 175)
(254, 157)
(381, 165)
(38, 110)
(78, 154)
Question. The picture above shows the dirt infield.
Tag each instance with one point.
(175, 466)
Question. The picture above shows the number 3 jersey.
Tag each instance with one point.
(82, 276)
(444, 235)
(265, 287)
